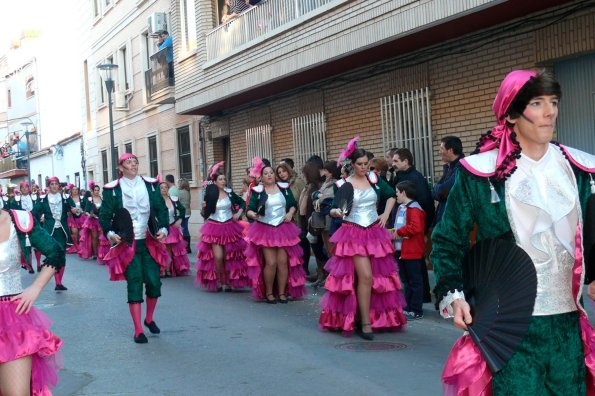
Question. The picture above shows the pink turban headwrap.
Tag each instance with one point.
(54, 179)
(500, 136)
(126, 156)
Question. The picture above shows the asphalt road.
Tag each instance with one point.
(227, 344)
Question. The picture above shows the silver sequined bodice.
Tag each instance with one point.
(363, 211)
(274, 209)
(171, 211)
(222, 211)
(10, 265)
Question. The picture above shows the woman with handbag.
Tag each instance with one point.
(274, 253)
(363, 282)
(175, 243)
(221, 264)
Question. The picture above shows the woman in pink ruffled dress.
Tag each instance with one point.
(274, 255)
(75, 221)
(363, 284)
(93, 243)
(221, 264)
(175, 243)
(29, 351)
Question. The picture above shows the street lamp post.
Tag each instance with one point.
(107, 70)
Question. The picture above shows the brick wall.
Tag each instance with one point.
(463, 86)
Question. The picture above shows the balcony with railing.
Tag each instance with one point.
(159, 79)
(268, 18)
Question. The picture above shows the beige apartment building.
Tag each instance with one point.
(124, 33)
(292, 78)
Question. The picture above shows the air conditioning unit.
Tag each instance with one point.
(157, 23)
(120, 102)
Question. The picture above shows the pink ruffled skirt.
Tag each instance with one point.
(286, 236)
(85, 246)
(229, 235)
(120, 256)
(339, 305)
(175, 241)
(29, 335)
(76, 222)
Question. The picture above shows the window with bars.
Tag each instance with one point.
(153, 157)
(259, 143)
(309, 137)
(407, 123)
(184, 152)
(104, 167)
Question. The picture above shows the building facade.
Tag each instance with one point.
(296, 78)
(124, 33)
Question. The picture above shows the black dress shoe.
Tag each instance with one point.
(153, 327)
(31, 271)
(60, 288)
(141, 339)
(365, 335)
(273, 301)
(283, 300)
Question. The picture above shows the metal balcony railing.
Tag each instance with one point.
(266, 17)
(159, 76)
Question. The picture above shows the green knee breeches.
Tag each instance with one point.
(549, 360)
(142, 269)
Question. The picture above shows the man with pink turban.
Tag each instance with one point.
(140, 262)
(521, 187)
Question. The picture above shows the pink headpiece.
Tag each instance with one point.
(91, 184)
(126, 156)
(69, 186)
(215, 168)
(351, 147)
(500, 136)
(53, 179)
(257, 167)
(24, 184)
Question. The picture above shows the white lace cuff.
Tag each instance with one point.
(164, 231)
(446, 310)
(110, 234)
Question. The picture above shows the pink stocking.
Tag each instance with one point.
(151, 304)
(38, 257)
(135, 310)
(59, 275)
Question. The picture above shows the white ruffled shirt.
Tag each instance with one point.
(135, 198)
(55, 203)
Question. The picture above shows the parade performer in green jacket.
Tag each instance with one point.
(28, 348)
(52, 211)
(139, 263)
(518, 186)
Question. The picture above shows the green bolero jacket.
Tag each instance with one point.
(112, 200)
(258, 190)
(31, 233)
(469, 204)
(42, 208)
(179, 209)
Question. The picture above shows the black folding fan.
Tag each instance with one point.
(344, 198)
(262, 200)
(122, 225)
(501, 287)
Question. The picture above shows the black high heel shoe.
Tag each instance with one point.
(283, 300)
(273, 301)
(366, 335)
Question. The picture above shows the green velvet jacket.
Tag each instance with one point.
(39, 238)
(258, 190)
(179, 210)
(42, 207)
(469, 203)
(112, 200)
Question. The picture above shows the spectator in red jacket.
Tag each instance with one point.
(409, 247)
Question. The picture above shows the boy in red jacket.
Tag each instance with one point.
(409, 247)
